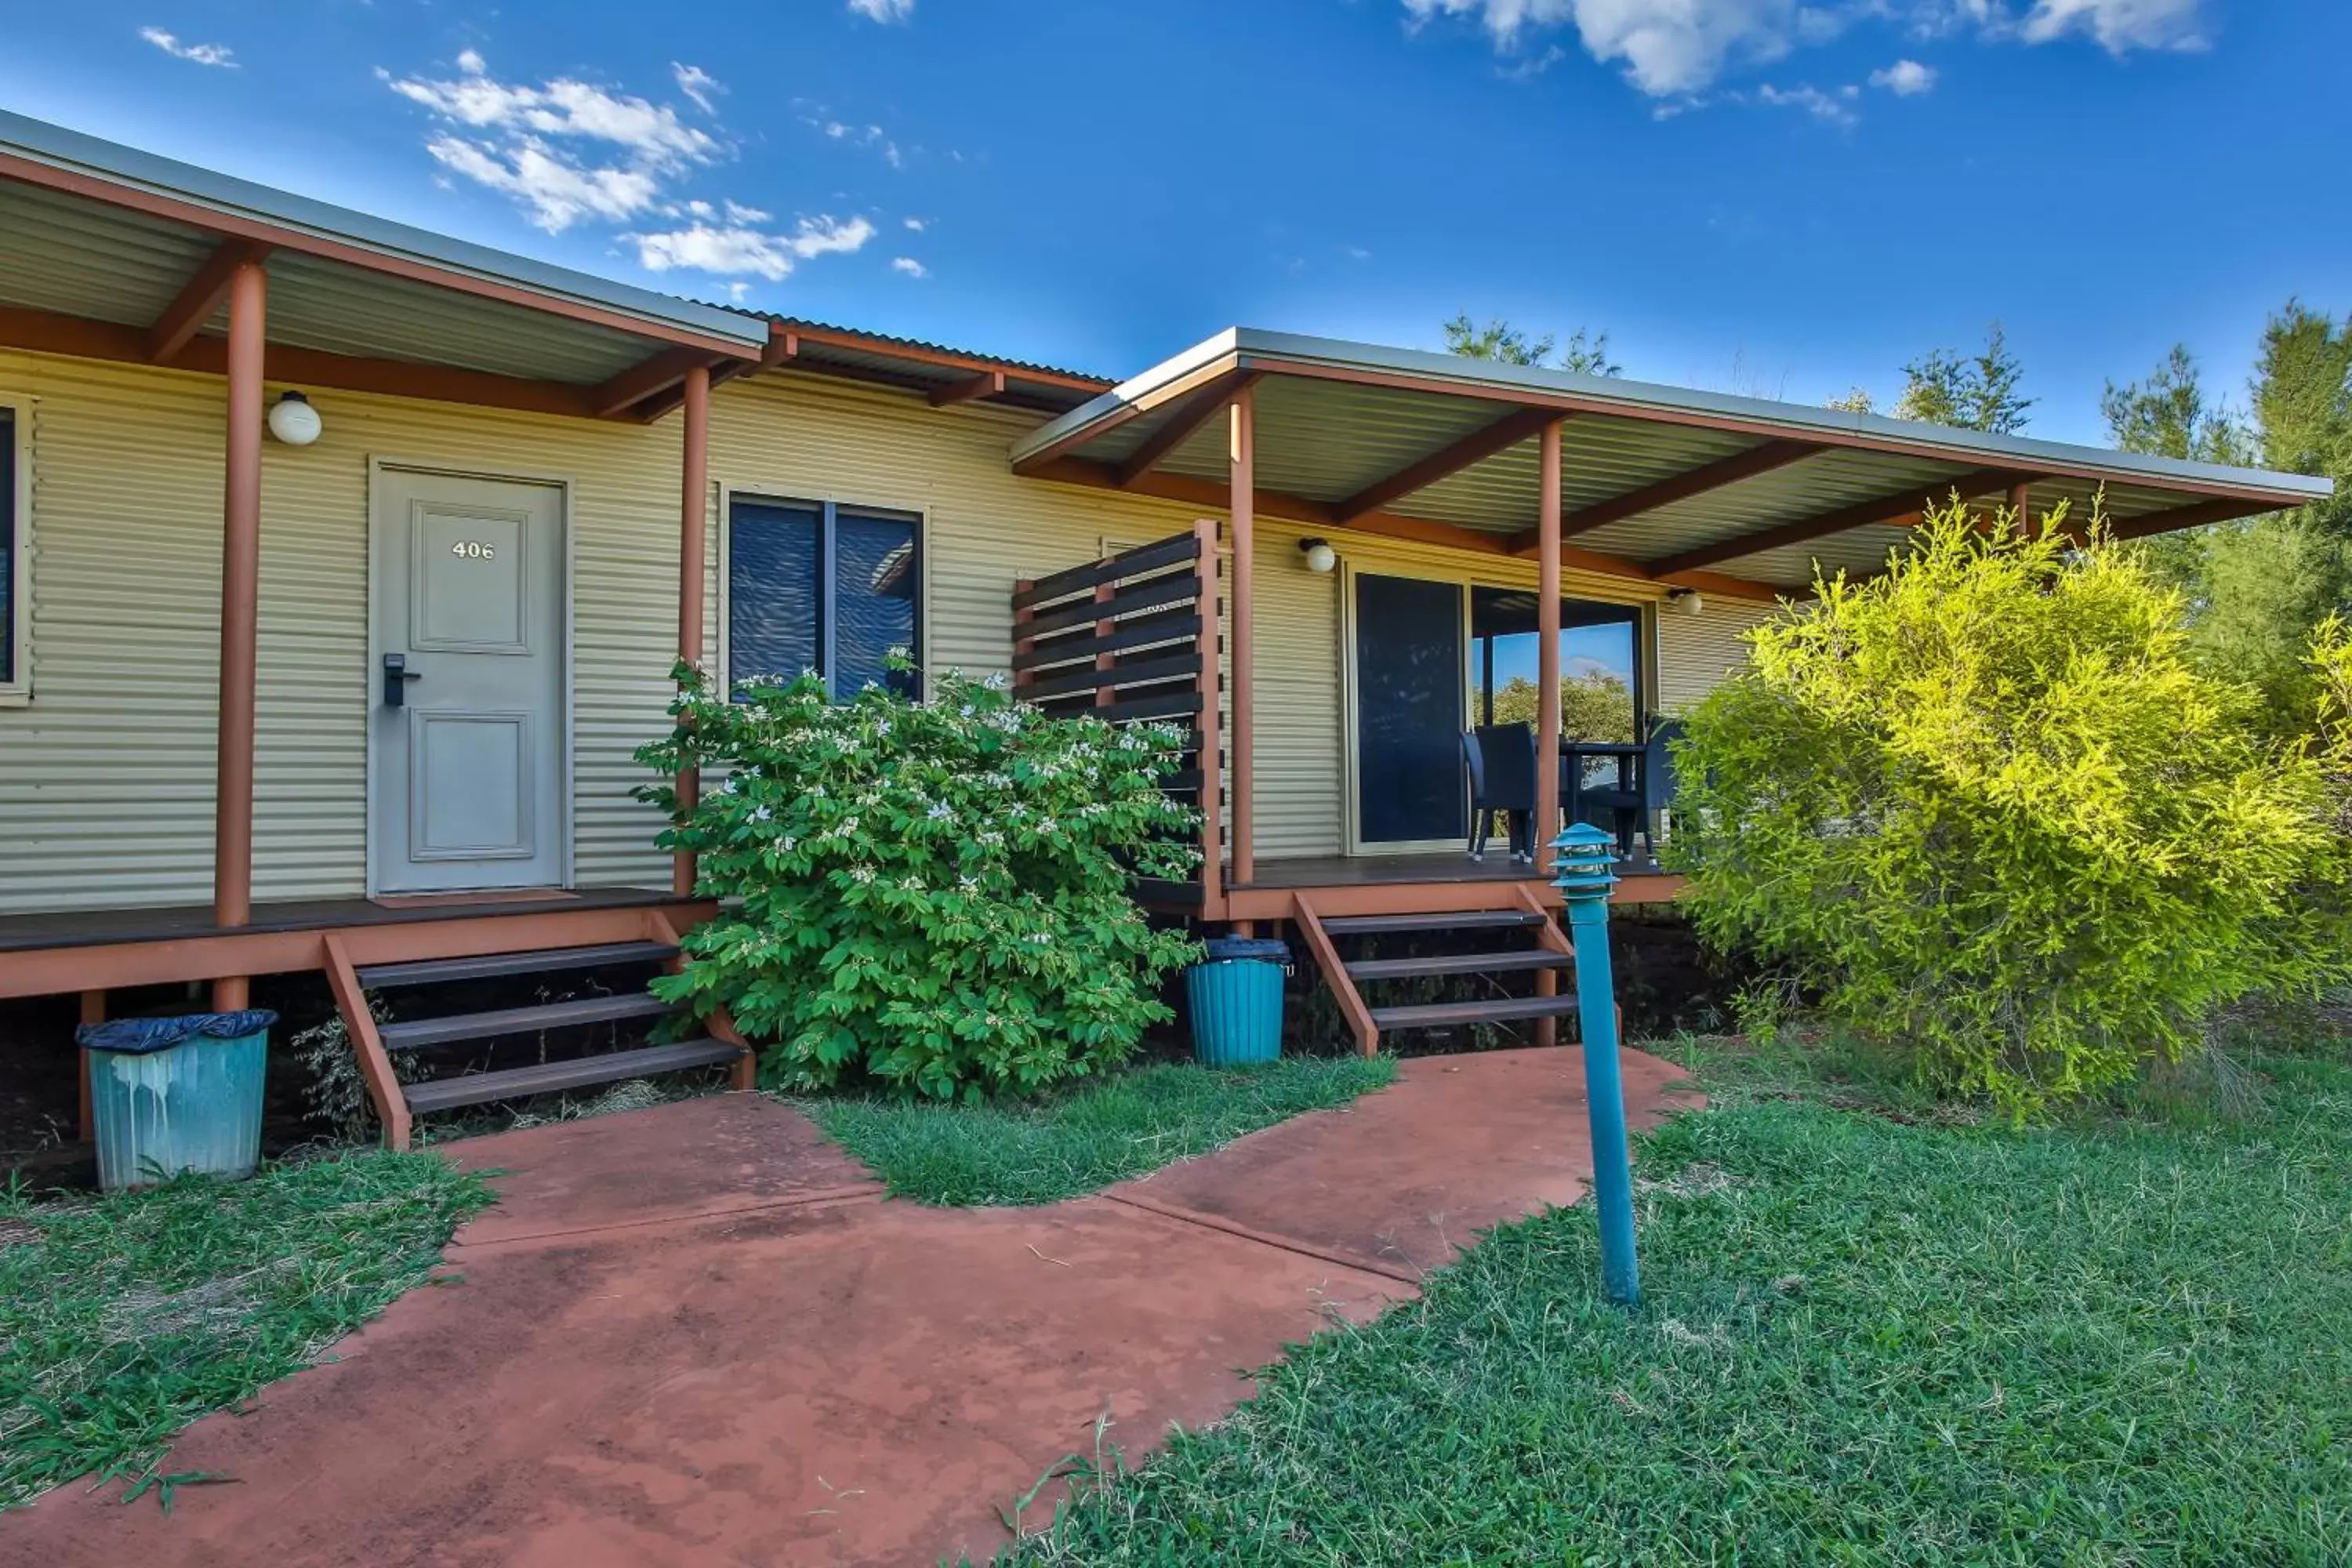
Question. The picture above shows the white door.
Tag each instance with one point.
(466, 684)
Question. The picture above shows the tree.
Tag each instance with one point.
(1986, 807)
(2167, 417)
(1506, 344)
(1977, 392)
(1593, 706)
(1857, 401)
(2303, 403)
(2255, 590)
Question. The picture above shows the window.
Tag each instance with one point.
(815, 585)
(1600, 670)
(15, 552)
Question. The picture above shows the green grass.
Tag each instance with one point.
(126, 1316)
(1867, 1339)
(1105, 1132)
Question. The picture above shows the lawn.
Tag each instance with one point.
(1867, 1339)
(123, 1318)
(1087, 1139)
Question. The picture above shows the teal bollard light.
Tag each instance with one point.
(1582, 856)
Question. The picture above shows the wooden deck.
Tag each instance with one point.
(1399, 884)
(100, 949)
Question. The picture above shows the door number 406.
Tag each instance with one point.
(474, 550)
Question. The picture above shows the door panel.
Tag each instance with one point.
(469, 786)
(467, 769)
(1409, 684)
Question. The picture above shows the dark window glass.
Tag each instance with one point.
(774, 568)
(1409, 719)
(822, 587)
(875, 576)
(8, 606)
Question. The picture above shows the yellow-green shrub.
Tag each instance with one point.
(1985, 807)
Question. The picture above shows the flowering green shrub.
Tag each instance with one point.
(934, 894)
(1988, 809)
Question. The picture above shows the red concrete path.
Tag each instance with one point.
(697, 1335)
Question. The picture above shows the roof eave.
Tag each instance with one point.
(100, 170)
(1243, 347)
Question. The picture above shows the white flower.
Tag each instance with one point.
(847, 825)
(763, 815)
(913, 884)
(1048, 825)
(861, 873)
(940, 812)
(789, 843)
(729, 787)
(997, 680)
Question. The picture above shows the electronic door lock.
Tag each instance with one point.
(396, 677)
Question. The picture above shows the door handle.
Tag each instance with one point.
(396, 677)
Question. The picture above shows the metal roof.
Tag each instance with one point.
(916, 366)
(1333, 418)
(107, 173)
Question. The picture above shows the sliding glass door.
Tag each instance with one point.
(1410, 690)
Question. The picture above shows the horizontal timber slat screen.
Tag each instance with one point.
(1133, 638)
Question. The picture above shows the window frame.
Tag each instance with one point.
(17, 690)
(828, 509)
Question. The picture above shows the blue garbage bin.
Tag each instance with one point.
(170, 1095)
(1236, 1000)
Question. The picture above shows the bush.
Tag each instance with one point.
(1986, 807)
(933, 894)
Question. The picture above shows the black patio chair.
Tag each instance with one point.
(1502, 761)
(1640, 807)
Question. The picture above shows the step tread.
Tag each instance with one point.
(1437, 1014)
(520, 1020)
(1459, 920)
(578, 1072)
(485, 965)
(1458, 963)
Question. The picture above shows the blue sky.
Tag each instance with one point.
(1768, 197)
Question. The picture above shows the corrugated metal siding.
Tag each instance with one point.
(1695, 652)
(106, 779)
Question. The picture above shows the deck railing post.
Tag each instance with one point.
(1584, 856)
(1210, 723)
(1548, 526)
(248, 295)
(694, 500)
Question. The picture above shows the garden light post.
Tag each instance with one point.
(1582, 856)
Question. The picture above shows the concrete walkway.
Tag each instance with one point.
(698, 1334)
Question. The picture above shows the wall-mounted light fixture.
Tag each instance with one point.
(1320, 556)
(1689, 601)
(293, 421)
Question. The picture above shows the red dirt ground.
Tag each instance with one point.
(697, 1334)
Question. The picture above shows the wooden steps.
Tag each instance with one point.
(520, 1020)
(489, 965)
(1347, 977)
(579, 1072)
(375, 1040)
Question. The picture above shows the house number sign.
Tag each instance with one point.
(474, 550)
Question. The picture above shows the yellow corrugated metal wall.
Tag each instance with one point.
(106, 787)
(106, 779)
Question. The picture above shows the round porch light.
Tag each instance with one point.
(1320, 556)
(293, 421)
(1689, 601)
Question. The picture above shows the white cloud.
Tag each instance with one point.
(883, 11)
(914, 225)
(1674, 49)
(1837, 107)
(219, 55)
(2119, 26)
(521, 141)
(737, 248)
(872, 136)
(697, 84)
(909, 265)
(1905, 78)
